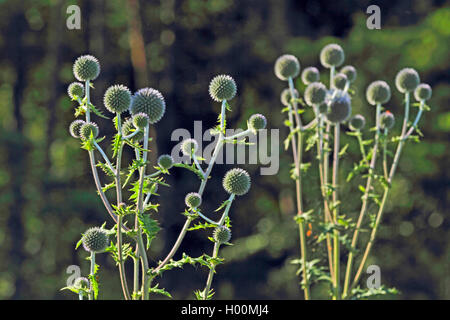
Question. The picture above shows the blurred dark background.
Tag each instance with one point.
(47, 195)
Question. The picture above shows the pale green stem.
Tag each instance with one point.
(211, 272)
(336, 250)
(365, 201)
(416, 121)
(238, 135)
(294, 103)
(91, 273)
(105, 157)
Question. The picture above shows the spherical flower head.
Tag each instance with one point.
(237, 181)
(128, 128)
(257, 122)
(350, 72)
(287, 66)
(140, 120)
(332, 55)
(149, 101)
(117, 98)
(286, 96)
(95, 240)
(340, 109)
(222, 87)
(81, 283)
(357, 122)
(222, 234)
(165, 161)
(378, 92)
(189, 147)
(86, 68)
(422, 92)
(75, 90)
(407, 80)
(315, 93)
(75, 127)
(88, 129)
(339, 81)
(310, 75)
(193, 200)
(322, 108)
(387, 120)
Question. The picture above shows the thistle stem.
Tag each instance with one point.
(294, 104)
(336, 241)
(386, 191)
(92, 274)
(211, 272)
(364, 205)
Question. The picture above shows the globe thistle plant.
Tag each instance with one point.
(407, 80)
(222, 234)
(222, 87)
(86, 68)
(331, 106)
(357, 122)
(193, 200)
(135, 210)
(75, 90)
(287, 66)
(117, 98)
(150, 102)
(237, 181)
(165, 161)
(310, 75)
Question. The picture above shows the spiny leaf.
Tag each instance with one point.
(149, 226)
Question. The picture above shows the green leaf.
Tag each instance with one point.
(162, 291)
(191, 167)
(96, 111)
(149, 226)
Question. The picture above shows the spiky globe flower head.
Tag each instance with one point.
(422, 92)
(339, 81)
(222, 87)
(88, 129)
(387, 120)
(286, 96)
(86, 68)
(340, 109)
(149, 101)
(237, 181)
(222, 234)
(378, 92)
(310, 74)
(165, 161)
(287, 66)
(332, 55)
(350, 72)
(257, 122)
(75, 127)
(322, 108)
(81, 283)
(315, 93)
(193, 200)
(75, 90)
(140, 120)
(128, 128)
(407, 80)
(95, 240)
(189, 147)
(117, 98)
(357, 122)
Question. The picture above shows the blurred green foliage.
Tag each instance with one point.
(47, 196)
